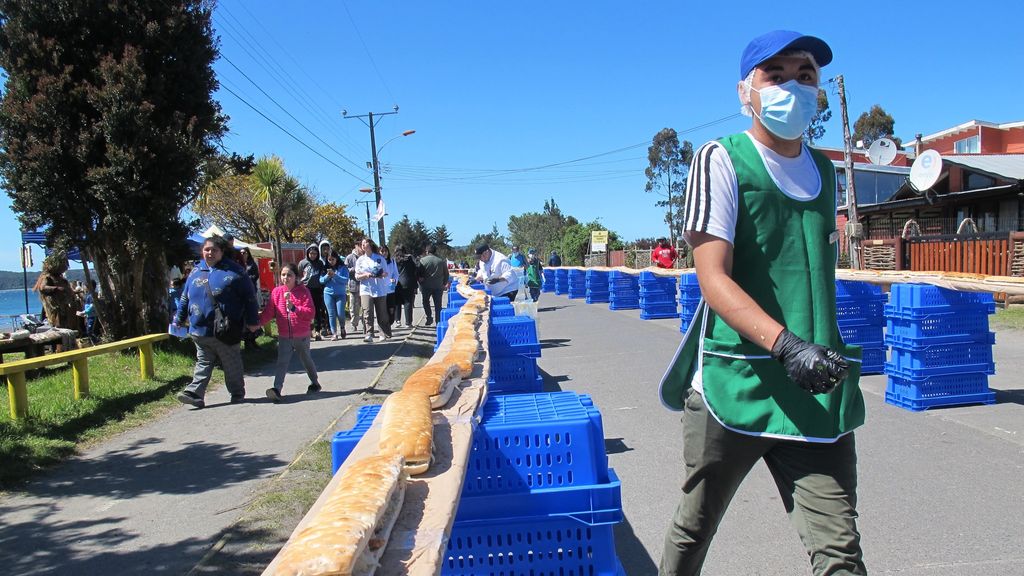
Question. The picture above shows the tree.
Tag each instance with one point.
(331, 222)
(576, 241)
(542, 231)
(270, 183)
(816, 130)
(441, 237)
(668, 167)
(412, 235)
(106, 121)
(874, 125)
(494, 239)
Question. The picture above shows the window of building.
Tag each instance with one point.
(973, 181)
(970, 145)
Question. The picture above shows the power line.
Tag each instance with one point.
(367, 50)
(294, 137)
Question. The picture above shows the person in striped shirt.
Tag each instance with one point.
(762, 373)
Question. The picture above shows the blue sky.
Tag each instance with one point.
(517, 102)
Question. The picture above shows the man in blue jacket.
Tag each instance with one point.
(217, 282)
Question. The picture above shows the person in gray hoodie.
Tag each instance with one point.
(311, 268)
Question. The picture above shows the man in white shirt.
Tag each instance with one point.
(494, 270)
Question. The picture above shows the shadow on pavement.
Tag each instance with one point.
(1009, 396)
(616, 446)
(551, 383)
(555, 343)
(632, 554)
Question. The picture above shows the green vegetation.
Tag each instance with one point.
(58, 425)
(1011, 318)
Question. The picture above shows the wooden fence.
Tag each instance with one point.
(987, 253)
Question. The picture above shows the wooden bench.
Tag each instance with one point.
(17, 391)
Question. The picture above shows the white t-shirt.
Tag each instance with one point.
(712, 197)
(375, 287)
(712, 192)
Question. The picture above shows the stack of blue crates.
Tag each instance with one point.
(538, 496)
(513, 336)
(597, 286)
(860, 313)
(548, 285)
(498, 310)
(689, 298)
(577, 283)
(657, 296)
(514, 375)
(941, 347)
(624, 291)
(561, 281)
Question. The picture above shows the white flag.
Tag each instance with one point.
(380, 211)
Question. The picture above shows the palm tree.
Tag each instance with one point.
(270, 182)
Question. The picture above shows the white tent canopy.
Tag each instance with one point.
(256, 251)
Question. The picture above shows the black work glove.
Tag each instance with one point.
(814, 368)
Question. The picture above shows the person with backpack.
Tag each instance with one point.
(534, 274)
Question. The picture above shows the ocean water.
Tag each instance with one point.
(12, 304)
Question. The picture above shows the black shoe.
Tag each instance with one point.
(429, 323)
(190, 398)
(313, 388)
(237, 398)
(274, 395)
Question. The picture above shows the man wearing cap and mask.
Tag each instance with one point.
(762, 372)
(496, 273)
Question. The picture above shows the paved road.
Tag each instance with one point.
(941, 492)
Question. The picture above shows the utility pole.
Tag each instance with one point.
(376, 167)
(854, 230)
(369, 231)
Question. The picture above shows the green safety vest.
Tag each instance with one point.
(782, 258)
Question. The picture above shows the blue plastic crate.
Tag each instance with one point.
(920, 344)
(557, 546)
(531, 441)
(514, 374)
(935, 391)
(623, 304)
(861, 312)
(503, 311)
(657, 299)
(926, 299)
(862, 335)
(943, 328)
(515, 335)
(344, 441)
(598, 298)
(940, 359)
(593, 504)
(977, 309)
(689, 292)
(854, 290)
(500, 301)
(873, 360)
(657, 315)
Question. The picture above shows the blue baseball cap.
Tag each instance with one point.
(765, 46)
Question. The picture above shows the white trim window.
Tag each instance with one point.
(970, 145)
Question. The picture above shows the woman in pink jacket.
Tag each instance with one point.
(291, 306)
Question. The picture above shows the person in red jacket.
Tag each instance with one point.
(663, 255)
(291, 306)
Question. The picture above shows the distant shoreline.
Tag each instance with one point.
(16, 281)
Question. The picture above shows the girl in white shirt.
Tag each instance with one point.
(372, 274)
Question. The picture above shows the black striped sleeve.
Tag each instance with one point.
(698, 190)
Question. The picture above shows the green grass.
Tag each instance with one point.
(1011, 318)
(58, 426)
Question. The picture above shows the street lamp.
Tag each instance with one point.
(376, 165)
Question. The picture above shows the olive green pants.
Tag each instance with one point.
(817, 483)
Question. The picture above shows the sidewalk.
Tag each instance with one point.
(155, 499)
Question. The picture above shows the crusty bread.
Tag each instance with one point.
(347, 536)
(407, 428)
(437, 380)
(463, 359)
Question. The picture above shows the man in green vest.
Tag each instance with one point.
(762, 372)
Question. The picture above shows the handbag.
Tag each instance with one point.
(224, 329)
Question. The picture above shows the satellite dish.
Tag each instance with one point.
(925, 170)
(882, 151)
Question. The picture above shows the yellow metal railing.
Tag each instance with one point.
(17, 389)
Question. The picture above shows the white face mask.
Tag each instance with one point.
(787, 109)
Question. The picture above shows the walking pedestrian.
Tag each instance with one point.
(335, 283)
(534, 274)
(291, 307)
(371, 271)
(392, 275)
(216, 289)
(763, 372)
(354, 301)
(405, 294)
(433, 280)
(311, 268)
